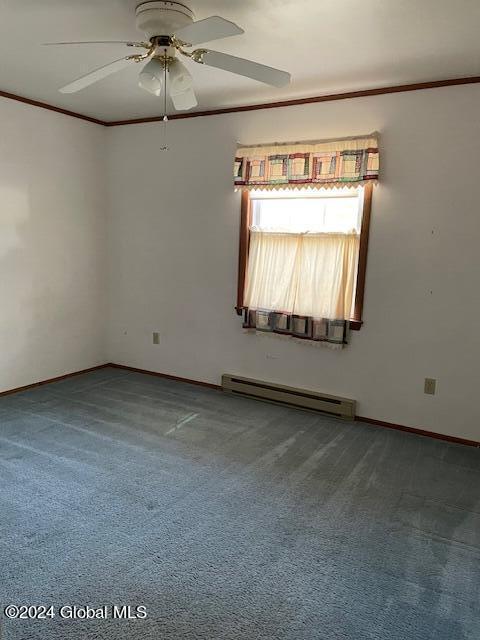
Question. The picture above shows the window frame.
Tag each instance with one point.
(356, 321)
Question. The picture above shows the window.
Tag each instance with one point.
(333, 210)
(304, 252)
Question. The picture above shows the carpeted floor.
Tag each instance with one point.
(230, 519)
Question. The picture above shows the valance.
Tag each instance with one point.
(314, 164)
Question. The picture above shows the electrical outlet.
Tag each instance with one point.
(430, 385)
(156, 337)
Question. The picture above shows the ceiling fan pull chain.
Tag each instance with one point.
(165, 117)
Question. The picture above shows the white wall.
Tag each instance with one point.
(173, 227)
(52, 244)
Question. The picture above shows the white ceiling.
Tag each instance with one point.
(327, 45)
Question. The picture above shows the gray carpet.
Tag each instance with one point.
(230, 519)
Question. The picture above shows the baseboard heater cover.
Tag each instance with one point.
(291, 396)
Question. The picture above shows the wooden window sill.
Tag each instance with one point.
(355, 325)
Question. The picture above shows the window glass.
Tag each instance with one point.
(326, 211)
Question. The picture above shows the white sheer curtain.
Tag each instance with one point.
(309, 274)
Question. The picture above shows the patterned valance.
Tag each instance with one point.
(298, 165)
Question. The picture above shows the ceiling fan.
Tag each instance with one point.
(171, 30)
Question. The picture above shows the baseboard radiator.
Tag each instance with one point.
(280, 394)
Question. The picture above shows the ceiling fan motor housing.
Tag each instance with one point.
(162, 18)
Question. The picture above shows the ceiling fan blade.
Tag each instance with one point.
(185, 100)
(129, 43)
(96, 75)
(242, 67)
(212, 28)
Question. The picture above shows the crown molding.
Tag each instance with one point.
(50, 107)
(365, 93)
(300, 101)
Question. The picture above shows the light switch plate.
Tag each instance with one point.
(430, 386)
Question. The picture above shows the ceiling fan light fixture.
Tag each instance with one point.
(151, 77)
(181, 87)
(185, 100)
(179, 78)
